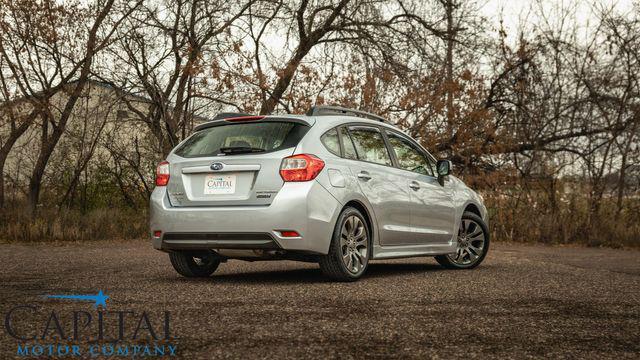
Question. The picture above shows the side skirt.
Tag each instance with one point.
(404, 251)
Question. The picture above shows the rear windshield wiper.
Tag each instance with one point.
(240, 150)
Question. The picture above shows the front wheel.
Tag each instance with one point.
(472, 244)
(194, 264)
(348, 255)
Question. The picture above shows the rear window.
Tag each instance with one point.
(260, 137)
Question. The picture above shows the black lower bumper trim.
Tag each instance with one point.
(193, 241)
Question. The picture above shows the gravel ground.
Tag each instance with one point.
(523, 301)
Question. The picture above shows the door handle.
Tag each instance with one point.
(364, 175)
(414, 185)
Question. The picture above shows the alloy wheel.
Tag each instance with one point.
(471, 243)
(354, 244)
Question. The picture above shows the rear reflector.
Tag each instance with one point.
(303, 167)
(289, 233)
(245, 118)
(162, 174)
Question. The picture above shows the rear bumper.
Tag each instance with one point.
(201, 241)
(305, 207)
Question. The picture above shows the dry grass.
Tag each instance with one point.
(525, 218)
(16, 225)
(515, 216)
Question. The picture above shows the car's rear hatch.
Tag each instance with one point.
(234, 163)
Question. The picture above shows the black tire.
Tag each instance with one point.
(447, 262)
(332, 264)
(189, 264)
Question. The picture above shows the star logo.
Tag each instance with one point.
(99, 299)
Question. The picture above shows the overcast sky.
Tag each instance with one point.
(514, 10)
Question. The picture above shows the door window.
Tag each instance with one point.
(408, 155)
(370, 145)
(349, 151)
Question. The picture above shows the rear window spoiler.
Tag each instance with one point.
(238, 119)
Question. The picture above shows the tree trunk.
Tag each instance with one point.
(621, 180)
(47, 145)
(283, 82)
(15, 134)
(3, 158)
(6, 149)
(450, 7)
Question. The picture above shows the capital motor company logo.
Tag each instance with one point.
(41, 329)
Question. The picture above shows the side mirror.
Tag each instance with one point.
(443, 167)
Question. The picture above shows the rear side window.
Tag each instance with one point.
(248, 137)
(370, 145)
(331, 141)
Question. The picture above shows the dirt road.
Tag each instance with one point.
(524, 301)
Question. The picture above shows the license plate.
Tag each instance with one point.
(219, 184)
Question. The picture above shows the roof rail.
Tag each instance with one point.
(335, 110)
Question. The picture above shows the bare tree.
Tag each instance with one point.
(39, 48)
(164, 49)
(361, 24)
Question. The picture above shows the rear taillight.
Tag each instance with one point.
(303, 167)
(162, 174)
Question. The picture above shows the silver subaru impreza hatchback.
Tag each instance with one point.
(336, 186)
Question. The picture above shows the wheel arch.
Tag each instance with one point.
(367, 216)
(473, 208)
